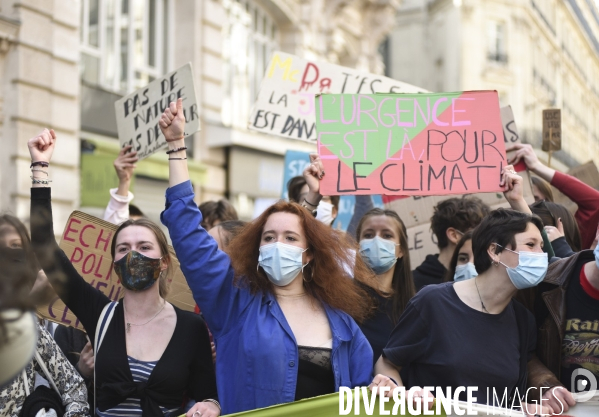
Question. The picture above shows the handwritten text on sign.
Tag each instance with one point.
(138, 114)
(285, 104)
(410, 144)
(86, 242)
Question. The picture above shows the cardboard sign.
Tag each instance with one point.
(86, 242)
(510, 131)
(586, 173)
(410, 144)
(138, 114)
(285, 103)
(416, 213)
(552, 130)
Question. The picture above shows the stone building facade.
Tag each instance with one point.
(63, 63)
(536, 53)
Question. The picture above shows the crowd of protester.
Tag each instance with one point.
(289, 308)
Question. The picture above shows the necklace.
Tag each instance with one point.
(129, 324)
(291, 295)
(480, 298)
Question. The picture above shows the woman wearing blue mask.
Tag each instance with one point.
(383, 246)
(472, 332)
(279, 304)
(461, 266)
(153, 356)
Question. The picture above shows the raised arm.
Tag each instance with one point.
(208, 270)
(84, 300)
(117, 210)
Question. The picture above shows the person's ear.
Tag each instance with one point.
(309, 256)
(164, 262)
(491, 251)
(399, 251)
(453, 235)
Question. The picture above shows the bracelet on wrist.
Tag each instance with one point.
(310, 204)
(210, 400)
(182, 148)
(42, 164)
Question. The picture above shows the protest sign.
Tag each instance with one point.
(510, 132)
(416, 213)
(285, 103)
(362, 403)
(295, 163)
(552, 130)
(410, 144)
(86, 242)
(138, 114)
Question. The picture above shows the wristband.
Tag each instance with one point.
(210, 400)
(176, 150)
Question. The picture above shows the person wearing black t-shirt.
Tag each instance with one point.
(383, 243)
(472, 332)
(567, 312)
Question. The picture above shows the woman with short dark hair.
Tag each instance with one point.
(472, 332)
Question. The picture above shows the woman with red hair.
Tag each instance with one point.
(280, 304)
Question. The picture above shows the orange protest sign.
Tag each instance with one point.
(86, 242)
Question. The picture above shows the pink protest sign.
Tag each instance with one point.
(410, 144)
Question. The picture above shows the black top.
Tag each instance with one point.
(378, 327)
(431, 271)
(185, 368)
(561, 248)
(449, 344)
(314, 373)
(581, 334)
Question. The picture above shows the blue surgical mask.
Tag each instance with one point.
(596, 253)
(281, 262)
(379, 254)
(531, 269)
(464, 272)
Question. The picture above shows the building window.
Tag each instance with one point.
(123, 42)
(496, 42)
(250, 39)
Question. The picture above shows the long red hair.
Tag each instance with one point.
(326, 278)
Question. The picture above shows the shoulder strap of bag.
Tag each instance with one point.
(103, 322)
(49, 378)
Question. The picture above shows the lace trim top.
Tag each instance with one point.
(316, 355)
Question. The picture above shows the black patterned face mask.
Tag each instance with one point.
(137, 272)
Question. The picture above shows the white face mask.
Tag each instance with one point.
(20, 332)
(324, 213)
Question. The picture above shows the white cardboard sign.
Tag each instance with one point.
(138, 114)
(285, 103)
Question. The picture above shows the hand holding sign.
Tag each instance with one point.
(313, 174)
(41, 147)
(514, 189)
(524, 152)
(124, 164)
(172, 122)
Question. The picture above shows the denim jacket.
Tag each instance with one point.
(256, 351)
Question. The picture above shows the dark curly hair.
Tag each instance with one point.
(462, 214)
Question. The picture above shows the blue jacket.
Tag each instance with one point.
(256, 351)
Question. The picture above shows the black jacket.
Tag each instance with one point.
(430, 272)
